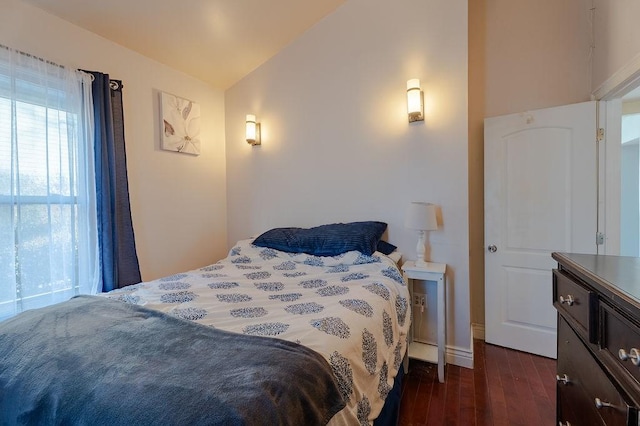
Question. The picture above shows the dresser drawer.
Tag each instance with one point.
(577, 302)
(574, 404)
(620, 335)
(588, 397)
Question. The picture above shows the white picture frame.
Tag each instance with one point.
(180, 125)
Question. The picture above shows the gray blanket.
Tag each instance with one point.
(95, 361)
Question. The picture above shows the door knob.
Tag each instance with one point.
(492, 248)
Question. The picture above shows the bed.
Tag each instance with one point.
(344, 317)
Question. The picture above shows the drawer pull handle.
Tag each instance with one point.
(564, 424)
(633, 355)
(600, 404)
(569, 300)
(564, 379)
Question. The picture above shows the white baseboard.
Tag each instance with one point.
(459, 356)
(477, 331)
(462, 357)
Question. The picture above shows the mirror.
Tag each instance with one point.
(630, 175)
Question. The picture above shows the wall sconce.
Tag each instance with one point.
(415, 102)
(252, 130)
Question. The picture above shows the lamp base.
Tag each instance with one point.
(421, 262)
(420, 249)
(428, 266)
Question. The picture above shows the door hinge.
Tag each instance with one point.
(599, 238)
(600, 134)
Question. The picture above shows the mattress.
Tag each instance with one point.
(352, 309)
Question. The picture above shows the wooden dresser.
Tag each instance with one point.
(598, 302)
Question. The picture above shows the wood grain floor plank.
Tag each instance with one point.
(467, 399)
(427, 383)
(538, 381)
(493, 379)
(522, 379)
(435, 415)
(452, 396)
(547, 370)
(483, 414)
(506, 387)
(409, 395)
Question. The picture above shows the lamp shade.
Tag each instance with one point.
(421, 216)
(252, 130)
(413, 97)
(414, 101)
(251, 127)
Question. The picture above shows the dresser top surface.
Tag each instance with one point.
(615, 276)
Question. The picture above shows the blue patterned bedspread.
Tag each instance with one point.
(352, 309)
(94, 361)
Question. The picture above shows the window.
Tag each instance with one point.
(48, 234)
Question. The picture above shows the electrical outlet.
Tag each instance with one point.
(416, 300)
(420, 300)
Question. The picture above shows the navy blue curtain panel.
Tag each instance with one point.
(118, 257)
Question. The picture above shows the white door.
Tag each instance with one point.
(541, 180)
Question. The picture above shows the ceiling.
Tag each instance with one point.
(216, 41)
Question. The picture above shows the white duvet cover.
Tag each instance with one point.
(353, 309)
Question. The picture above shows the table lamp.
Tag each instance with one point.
(422, 217)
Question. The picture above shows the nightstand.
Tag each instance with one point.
(434, 272)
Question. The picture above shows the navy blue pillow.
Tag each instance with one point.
(385, 247)
(325, 240)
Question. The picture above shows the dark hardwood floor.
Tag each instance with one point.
(506, 387)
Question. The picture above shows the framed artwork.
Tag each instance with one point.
(180, 124)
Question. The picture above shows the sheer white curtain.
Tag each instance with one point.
(48, 231)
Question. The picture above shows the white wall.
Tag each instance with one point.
(178, 201)
(524, 55)
(537, 54)
(617, 39)
(336, 143)
(477, 96)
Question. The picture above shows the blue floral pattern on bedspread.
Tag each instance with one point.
(352, 309)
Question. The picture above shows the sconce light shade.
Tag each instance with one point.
(421, 216)
(415, 108)
(252, 130)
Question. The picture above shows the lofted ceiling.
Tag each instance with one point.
(216, 41)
